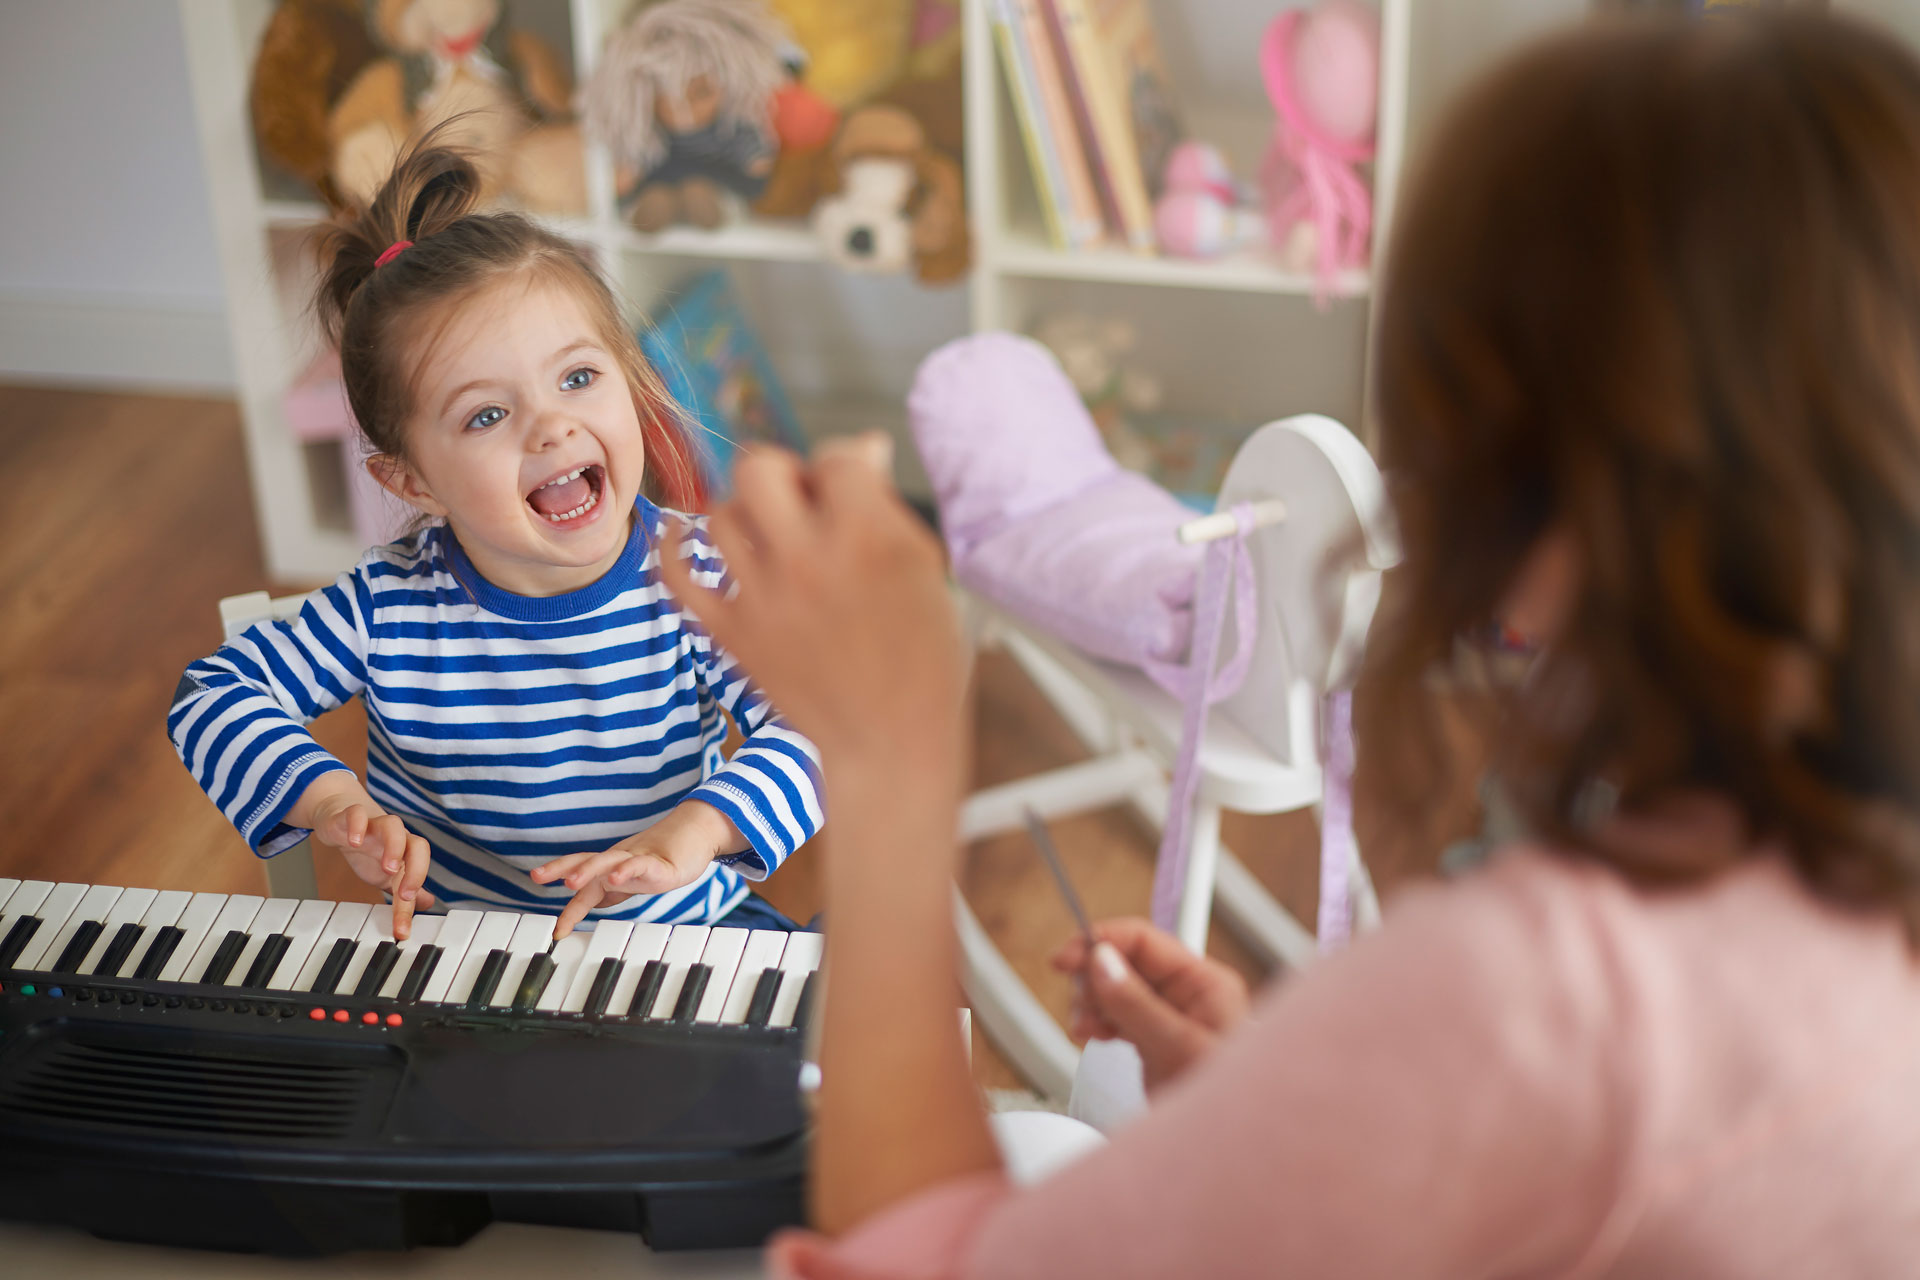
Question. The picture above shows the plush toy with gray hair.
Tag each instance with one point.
(683, 98)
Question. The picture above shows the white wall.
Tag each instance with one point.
(107, 263)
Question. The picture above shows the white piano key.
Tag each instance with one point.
(762, 953)
(455, 938)
(164, 913)
(237, 913)
(303, 931)
(494, 932)
(425, 930)
(722, 956)
(377, 929)
(128, 908)
(345, 922)
(531, 936)
(195, 919)
(567, 955)
(608, 939)
(649, 942)
(273, 917)
(801, 958)
(7, 885)
(54, 914)
(93, 906)
(683, 949)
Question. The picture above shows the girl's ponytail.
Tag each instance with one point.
(431, 188)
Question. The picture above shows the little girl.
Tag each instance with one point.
(543, 719)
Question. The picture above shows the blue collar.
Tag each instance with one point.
(623, 576)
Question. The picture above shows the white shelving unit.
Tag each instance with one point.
(1239, 340)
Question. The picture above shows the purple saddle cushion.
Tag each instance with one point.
(1038, 516)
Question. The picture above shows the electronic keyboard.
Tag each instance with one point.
(266, 1074)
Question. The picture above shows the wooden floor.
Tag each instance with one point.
(130, 517)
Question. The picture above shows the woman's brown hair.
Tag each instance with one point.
(370, 310)
(1656, 292)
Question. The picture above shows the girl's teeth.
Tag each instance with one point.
(580, 510)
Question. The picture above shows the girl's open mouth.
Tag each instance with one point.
(566, 498)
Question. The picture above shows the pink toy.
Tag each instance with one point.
(1202, 212)
(1322, 71)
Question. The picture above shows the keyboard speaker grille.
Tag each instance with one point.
(196, 1090)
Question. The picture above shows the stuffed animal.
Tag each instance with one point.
(846, 52)
(900, 199)
(684, 98)
(1202, 212)
(310, 51)
(1322, 71)
(503, 94)
(854, 48)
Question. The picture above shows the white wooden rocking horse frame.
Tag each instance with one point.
(1326, 539)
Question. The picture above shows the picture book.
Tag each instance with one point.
(1085, 220)
(1113, 58)
(715, 368)
(1043, 156)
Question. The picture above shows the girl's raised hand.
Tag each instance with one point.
(672, 852)
(379, 849)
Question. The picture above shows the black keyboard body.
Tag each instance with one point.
(184, 1114)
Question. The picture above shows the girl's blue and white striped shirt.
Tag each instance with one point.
(505, 729)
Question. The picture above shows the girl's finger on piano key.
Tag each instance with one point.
(575, 911)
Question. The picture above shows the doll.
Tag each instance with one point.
(683, 98)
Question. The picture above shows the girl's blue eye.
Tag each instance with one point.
(487, 417)
(578, 380)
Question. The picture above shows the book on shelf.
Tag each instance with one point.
(1123, 100)
(1061, 178)
(715, 368)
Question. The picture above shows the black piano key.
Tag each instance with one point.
(602, 989)
(17, 939)
(224, 957)
(119, 949)
(379, 965)
(77, 947)
(334, 968)
(804, 1010)
(534, 983)
(760, 1008)
(267, 961)
(643, 995)
(418, 976)
(164, 943)
(491, 970)
(696, 985)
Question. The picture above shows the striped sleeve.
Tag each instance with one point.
(239, 715)
(770, 789)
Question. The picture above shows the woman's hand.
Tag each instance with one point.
(1142, 985)
(842, 616)
(672, 852)
(376, 845)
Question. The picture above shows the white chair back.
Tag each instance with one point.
(1316, 572)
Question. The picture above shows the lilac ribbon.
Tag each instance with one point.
(1336, 825)
(1226, 577)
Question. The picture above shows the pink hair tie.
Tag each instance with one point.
(392, 252)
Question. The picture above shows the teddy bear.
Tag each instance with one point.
(503, 94)
(684, 98)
